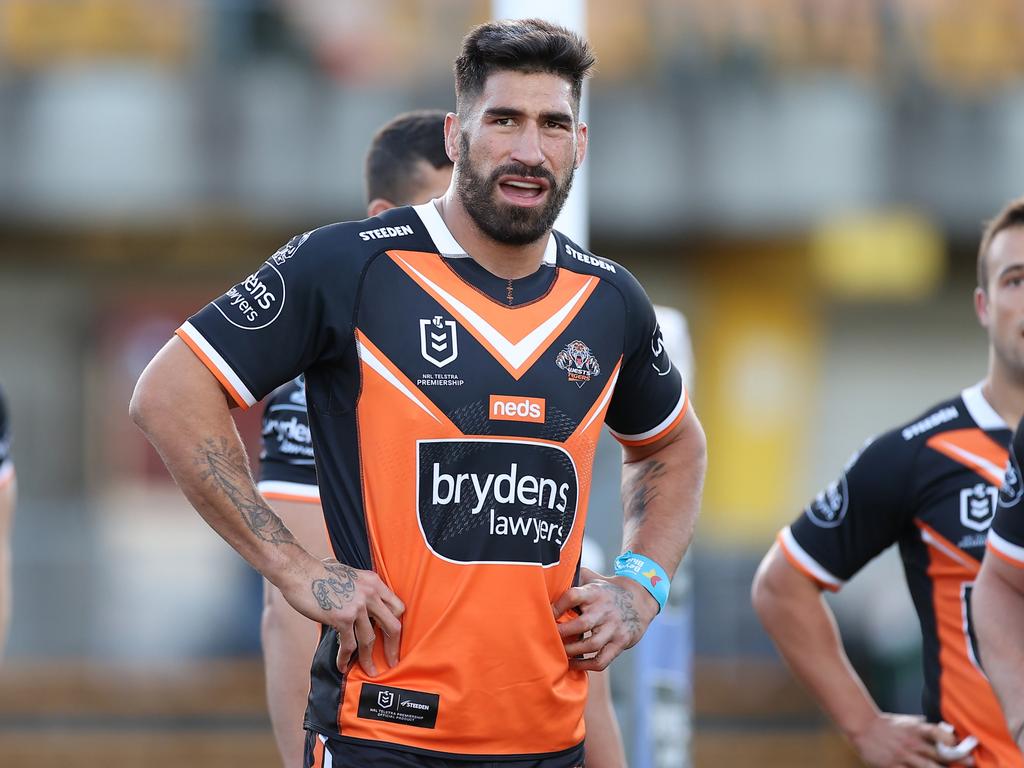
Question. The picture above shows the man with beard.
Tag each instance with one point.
(453, 438)
(928, 486)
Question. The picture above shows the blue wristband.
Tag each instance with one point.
(646, 572)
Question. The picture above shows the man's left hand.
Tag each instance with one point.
(614, 612)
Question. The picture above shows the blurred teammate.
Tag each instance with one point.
(998, 601)
(406, 165)
(929, 486)
(8, 493)
(460, 358)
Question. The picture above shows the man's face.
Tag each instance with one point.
(516, 151)
(1001, 311)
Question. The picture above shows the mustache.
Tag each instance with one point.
(526, 171)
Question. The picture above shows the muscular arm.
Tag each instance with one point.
(795, 615)
(997, 605)
(184, 412)
(661, 485)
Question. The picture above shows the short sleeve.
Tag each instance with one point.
(861, 513)
(275, 323)
(287, 467)
(649, 398)
(1006, 536)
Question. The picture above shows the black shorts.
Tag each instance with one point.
(325, 752)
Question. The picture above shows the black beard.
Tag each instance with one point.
(506, 223)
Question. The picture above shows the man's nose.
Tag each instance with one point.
(527, 148)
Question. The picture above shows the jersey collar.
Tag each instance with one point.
(449, 247)
(980, 410)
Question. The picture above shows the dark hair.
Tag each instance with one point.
(396, 149)
(521, 45)
(1012, 215)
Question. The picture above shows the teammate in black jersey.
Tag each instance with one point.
(929, 486)
(998, 604)
(455, 471)
(8, 492)
(406, 165)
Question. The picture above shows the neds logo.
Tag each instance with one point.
(514, 408)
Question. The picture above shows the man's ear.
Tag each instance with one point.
(452, 129)
(581, 144)
(981, 307)
(378, 205)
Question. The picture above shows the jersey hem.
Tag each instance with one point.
(283, 490)
(1005, 550)
(658, 432)
(804, 563)
(438, 753)
(218, 366)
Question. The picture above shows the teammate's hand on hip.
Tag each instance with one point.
(904, 741)
(352, 601)
(614, 613)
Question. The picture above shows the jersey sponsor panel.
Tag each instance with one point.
(453, 436)
(931, 488)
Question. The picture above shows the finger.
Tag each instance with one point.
(585, 622)
(599, 662)
(346, 647)
(942, 733)
(391, 600)
(587, 576)
(366, 638)
(390, 627)
(570, 599)
(921, 762)
(597, 640)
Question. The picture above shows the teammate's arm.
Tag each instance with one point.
(997, 606)
(205, 456)
(604, 739)
(795, 615)
(661, 489)
(8, 496)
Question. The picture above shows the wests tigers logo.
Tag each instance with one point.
(578, 362)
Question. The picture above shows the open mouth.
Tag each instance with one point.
(523, 191)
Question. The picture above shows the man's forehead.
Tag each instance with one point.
(1006, 251)
(526, 91)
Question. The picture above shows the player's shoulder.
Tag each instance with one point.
(575, 258)
(348, 244)
(967, 410)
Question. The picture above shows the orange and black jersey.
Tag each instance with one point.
(1006, 536)
(287, 470)
(454, 418)
(930, 487)
(6, 463)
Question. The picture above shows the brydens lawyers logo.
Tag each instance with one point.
(578, 362)
(514, 408)
(439, 341)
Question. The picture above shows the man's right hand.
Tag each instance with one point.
(351, 601)
(904, 741)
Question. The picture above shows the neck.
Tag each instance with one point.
(1004, 392)
(506, 261)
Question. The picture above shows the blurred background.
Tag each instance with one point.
(804, 179)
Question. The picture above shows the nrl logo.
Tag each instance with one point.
(578, 362)
(978, 506)
(437, 337)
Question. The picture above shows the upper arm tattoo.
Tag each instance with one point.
(227, 468)
(641, 488)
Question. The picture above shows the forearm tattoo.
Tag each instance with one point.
(641, 489)
(338, 590)
(226, 468)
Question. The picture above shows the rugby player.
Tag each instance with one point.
(8, 494)
(930, 487)
(460, 358)
(998, 600)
